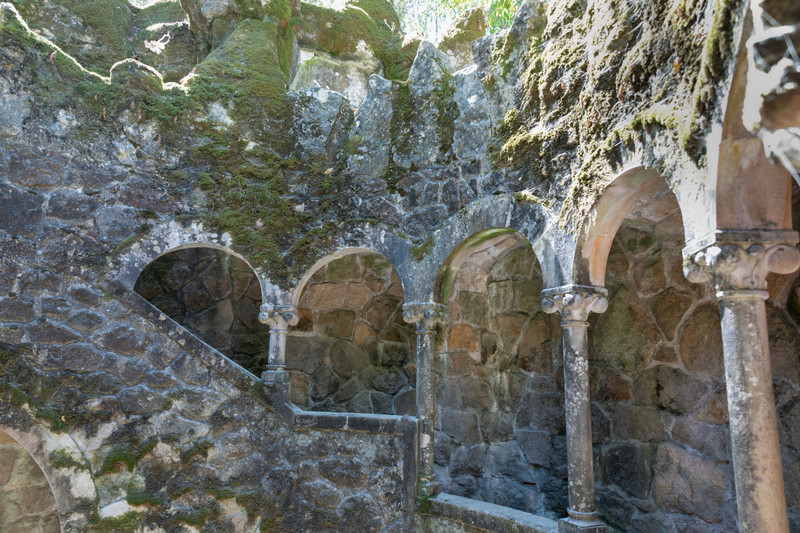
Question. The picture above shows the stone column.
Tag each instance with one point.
(575, 302)
(278, 318)
(426, 316)
(739, 270)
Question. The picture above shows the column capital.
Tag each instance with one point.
(737, 260)
(426, 315)
(574, 302)
(278, 317)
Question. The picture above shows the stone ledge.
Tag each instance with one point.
(488, 516)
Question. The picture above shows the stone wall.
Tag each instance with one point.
(176, 436)
(351, 350)
(26, 501)
(215, 295)
(659, 410)
(500, 394)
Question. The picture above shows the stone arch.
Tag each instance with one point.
(532, 220)
(213, 293)
(621, 196)
(71, 487)
(351, 350)
(171, 237)
(344, 252)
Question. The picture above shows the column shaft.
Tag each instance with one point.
(426, 316)
(574, 303)
(276, 358)
(738, 262)
(751, 411)
(579, 421)
(426, 404)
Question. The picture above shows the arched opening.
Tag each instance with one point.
(214, 294)
(659, 412)
(27, 502)
(500, 430)
(351, 350)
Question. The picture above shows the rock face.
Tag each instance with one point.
(346, 76)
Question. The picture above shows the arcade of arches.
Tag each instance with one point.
(275, 266)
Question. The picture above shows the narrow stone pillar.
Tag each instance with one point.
(575, 302)
(739, 270)
(278, 318)
(426, 316)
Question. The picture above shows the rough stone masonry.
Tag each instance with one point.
(272, 266)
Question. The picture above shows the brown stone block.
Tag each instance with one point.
(509, 327)
(701, 343)
(535, 350)
(463, 337)
(617, 387)
(668, 309)
(324, 296)
(357, 296)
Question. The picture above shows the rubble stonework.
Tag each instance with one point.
(275, 266)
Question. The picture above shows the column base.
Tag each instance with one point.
(573, 525)
(275, 375)
(428, 488)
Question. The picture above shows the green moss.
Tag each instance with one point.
(64, 458)
(125, 244)
(531, 198)
(221, 493)
(250, 67)
(127, 523)
(340, 32)
(419, 251)
(192, 518)
(200, 448)
(127, 455)
(446, 113)
(143, 498)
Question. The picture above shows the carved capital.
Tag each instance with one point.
(741, 265)
(574, 302)
(426, 315)
(278, 317)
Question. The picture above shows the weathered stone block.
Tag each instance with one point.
(628, 465)
(687, 484)
(624, 337)
(669, 388)
(347, 472)
(347, 359)
(701, 343)
(543, 411)
(461, 426)
(536, 445)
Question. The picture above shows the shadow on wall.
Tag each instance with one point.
(351, 350)
(216, 296)
(26, 501)
(501, 433)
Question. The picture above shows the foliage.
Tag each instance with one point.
(431, 18)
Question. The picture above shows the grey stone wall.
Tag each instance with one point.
(351, 350)
(501, 433)
(213, 294)
(26, 502)
(174, 434)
